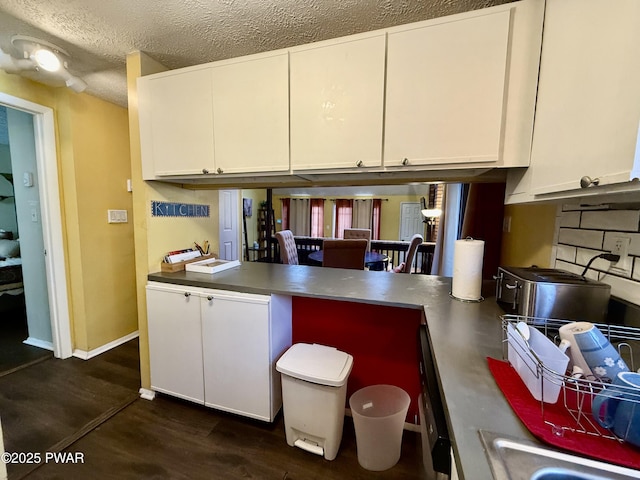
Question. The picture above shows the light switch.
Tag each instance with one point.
(117, 216)
(27, 179)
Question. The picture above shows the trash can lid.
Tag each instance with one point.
(316, 363)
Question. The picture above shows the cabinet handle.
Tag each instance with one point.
(405, 161)
(586, 182)
(220, 171)
(205, 171)
(209, 298)
(187, 294)
(359, 163)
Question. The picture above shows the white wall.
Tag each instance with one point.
(583, 232)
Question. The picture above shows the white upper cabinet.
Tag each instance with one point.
(176, 123)
(337, 92)
(227, 117)
(588, 110)
(446, 91)
(251, 115)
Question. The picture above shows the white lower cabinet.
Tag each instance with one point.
(175, 341)
(238, 339)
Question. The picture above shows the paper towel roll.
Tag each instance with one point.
(467, 269)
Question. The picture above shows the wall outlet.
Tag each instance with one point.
(621, 247)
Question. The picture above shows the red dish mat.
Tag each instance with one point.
(529, 411)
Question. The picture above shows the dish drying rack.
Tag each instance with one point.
(576, 392)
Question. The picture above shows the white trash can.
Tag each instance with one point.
(378, 414)
(314, 392)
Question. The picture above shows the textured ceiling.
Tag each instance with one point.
(179, 33)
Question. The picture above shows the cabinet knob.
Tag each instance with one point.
(205, 171)
(405, 161)
(187, 294)
(209, 297)
(587, 181)
(359, 163)
(220, 171)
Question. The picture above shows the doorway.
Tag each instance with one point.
(25, 332)
(229, 201)
(38, 205)
(410, 220)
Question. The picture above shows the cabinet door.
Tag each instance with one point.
(236, 342)
(337, 92)
(176, 122)
(175, 342)
(588, 108)
(446, 91)
(251, 115)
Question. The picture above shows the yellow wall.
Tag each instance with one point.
(530, 240)
(93, 164)
(155, 236)
(390, 213)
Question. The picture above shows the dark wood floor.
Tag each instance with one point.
(13, 331)
(91, 408)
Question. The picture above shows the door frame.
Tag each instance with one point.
(51, 214)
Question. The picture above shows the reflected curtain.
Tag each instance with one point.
(377, 215)
(299, 217)
(317, 217)
(344, 210)
(286, 206)
(362, 213)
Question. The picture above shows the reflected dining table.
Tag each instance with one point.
(373, 260)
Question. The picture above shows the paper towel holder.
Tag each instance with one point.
(466, 300)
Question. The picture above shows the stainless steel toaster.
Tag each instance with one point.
(551, 293)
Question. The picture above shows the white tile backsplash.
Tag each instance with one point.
(570, 219)
(620, 220)
(576, 244)
(581, 238)
(566, 252)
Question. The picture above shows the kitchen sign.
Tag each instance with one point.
(169, 209)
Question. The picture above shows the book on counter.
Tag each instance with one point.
(181, 255)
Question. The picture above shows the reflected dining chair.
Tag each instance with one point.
(288, 249)
(351, 233)
(344, 253)
(405, 267)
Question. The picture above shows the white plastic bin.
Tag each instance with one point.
(314, 392)
(378, 414)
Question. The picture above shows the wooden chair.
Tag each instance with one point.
(351, 233)
(405, 267)
(344, 253)
(288, 249)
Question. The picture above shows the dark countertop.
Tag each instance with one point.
(462, 335)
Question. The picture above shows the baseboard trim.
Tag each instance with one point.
(147, 394)
(35, 342)
(86, 355)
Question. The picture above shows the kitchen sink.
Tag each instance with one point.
(519, 459)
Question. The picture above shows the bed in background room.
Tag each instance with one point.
(11, 286)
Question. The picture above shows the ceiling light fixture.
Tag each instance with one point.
(40, 61)
(46, 59)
